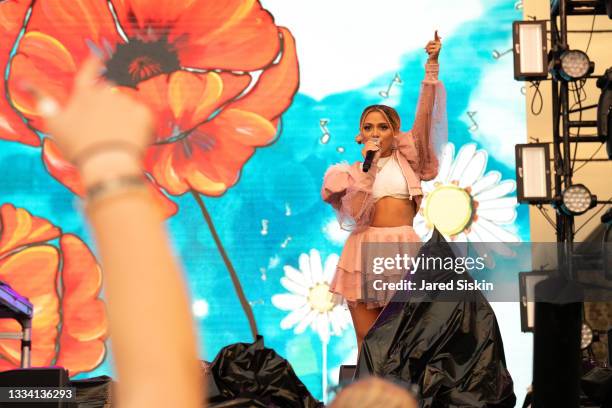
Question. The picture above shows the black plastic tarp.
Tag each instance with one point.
(242, 375)
(452, 349)
(250, 375)
(93, 392)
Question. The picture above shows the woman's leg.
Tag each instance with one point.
(363, 319)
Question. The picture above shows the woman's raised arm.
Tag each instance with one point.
(430, 127)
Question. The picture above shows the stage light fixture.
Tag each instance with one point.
(527, 283)
(587, 336)
(573, 65)
(533, 173)
(606, 218)
(604, 110)
(529, 50)
(576, 200)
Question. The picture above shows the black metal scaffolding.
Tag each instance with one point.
(557, 355)
(560, 10)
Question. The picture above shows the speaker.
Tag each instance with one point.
(556, 362)
(35, 377)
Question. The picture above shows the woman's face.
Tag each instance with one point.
(375, 125)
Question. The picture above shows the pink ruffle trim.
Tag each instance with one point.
(349, 278)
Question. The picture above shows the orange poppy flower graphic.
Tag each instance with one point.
(11, 126)
(217, 76)
(63, 282)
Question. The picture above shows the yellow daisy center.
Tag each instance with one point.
(449, 208)
(320, 298)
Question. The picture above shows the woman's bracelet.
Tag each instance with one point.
(431, 71)
(104, 147)
(114, 186)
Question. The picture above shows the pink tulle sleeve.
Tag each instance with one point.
(430, 128)
(349, 191)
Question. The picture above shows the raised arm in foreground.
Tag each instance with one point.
(153, 341)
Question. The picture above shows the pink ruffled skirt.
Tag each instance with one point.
(350, 278)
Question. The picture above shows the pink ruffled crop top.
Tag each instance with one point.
(353, 193)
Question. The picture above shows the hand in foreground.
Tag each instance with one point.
(433, 48)
(96, 118)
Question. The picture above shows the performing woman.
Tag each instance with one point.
(380, 205)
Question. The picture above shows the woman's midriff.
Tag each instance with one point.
(393, 212)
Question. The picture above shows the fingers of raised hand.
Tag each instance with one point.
(89, 73)
(371, 145)
(47, 107)
(433, 47)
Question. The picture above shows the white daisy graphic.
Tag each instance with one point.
(465, 204)
(310, 303)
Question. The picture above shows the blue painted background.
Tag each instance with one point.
(290, 171)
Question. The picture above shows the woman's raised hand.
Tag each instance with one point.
(433, 48)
